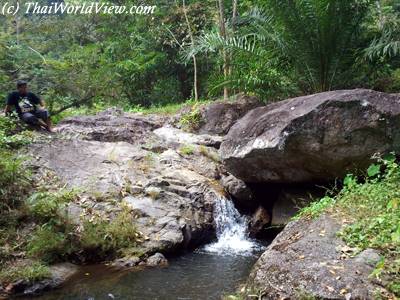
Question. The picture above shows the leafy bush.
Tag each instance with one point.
(96, 237)
(47, 244)
(15, 181)
(109, 236)
(45, 205)
(13, 134)
(191, 120)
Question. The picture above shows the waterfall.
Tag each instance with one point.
(231, 228)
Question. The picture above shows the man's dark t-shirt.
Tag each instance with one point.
(23, 103)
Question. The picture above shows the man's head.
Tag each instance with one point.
(22, 87)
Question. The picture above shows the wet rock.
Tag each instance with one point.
(126, 262)
(260, 220)
(306, 259)
(289, 202)
(60, 273)
(312, 138)
(237, 189)
(156, 260)
(175, 136)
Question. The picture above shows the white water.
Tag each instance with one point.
(232, 234)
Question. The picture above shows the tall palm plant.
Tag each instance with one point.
(317, 38)
(386, 43)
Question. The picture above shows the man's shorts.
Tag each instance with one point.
(34, 116)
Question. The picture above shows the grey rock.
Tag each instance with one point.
(218, 117)
(175, 136)
(112, 125)
(171, 203)
(156, 260)
(305, 259)
(312, 138)
(136, 189)
(126, 262)
(368, 256)
(59, 274)
(259, 221)
(237, 188)
(74, 212)
(289, 202)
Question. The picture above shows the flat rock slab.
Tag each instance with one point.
(307, 259)
(171, 196)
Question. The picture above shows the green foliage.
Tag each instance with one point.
(33, 272)
(211, 154)
(104, 236)
(46, 205)
(186, 150)
(386, 27)
(47, 244)
(12, 135)
(192, 120)
(318, 37)
(15, 181)
(315, 209)
(95, 237)
(373, 206)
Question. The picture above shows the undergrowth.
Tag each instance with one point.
(35, 226)
(372, 206)
(32, 272)
(191, 120)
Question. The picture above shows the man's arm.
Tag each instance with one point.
(38, 101)
(42, 103)
(8, 109)
(9, 104)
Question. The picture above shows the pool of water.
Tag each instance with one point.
(210, 273)
(197, 275)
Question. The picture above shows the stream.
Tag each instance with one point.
(209, 272)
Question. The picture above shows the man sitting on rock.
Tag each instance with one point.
(29, 107)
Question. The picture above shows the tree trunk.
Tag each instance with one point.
(196, 94)
(234, 17)
(222, 30)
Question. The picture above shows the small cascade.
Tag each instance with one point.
(232, 233)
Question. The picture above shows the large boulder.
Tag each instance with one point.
(313, 138)
(308, 261)
(218, 117)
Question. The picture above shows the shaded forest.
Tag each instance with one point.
(202, 50)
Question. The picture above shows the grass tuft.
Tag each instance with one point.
(33, 272)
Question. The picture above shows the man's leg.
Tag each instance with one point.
(29, 119)
(43, 115)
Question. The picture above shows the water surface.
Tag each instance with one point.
(210, 273)
(197, 275)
